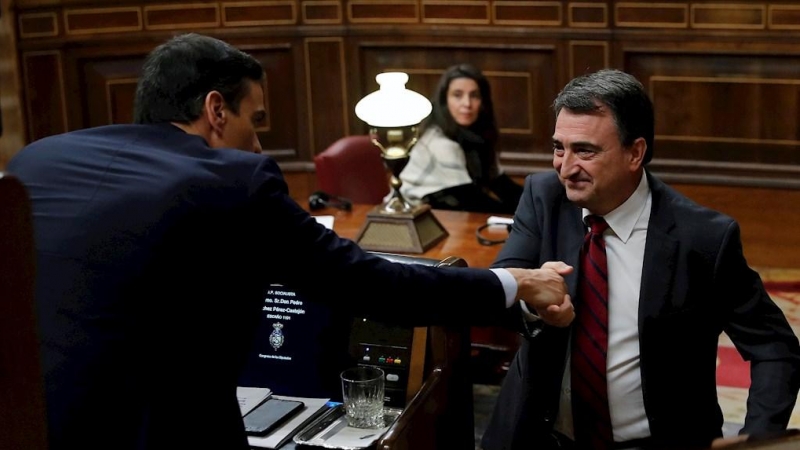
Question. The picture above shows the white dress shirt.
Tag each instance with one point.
(510, 285)
(625, 240)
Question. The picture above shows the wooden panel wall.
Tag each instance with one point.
(724, 75)
(11, 128)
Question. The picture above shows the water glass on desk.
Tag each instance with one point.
(363, 393)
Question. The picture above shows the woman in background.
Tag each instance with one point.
(454, 164)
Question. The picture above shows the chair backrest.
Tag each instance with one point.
(22, 408)
(352, 168)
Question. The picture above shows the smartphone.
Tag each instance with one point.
(270, 415)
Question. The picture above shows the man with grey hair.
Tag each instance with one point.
(658, 279)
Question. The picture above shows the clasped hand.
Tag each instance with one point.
(545, 291)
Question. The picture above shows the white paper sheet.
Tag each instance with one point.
(325, 220)
(339, 435)
(250, 397)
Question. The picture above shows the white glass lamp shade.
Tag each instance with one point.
(393, 105)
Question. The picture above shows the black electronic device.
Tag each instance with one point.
(319, 200)
(301, 346)
(270, 415)
(388, 348)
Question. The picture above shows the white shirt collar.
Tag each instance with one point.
(624, 217)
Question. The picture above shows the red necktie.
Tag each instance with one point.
(590, 344)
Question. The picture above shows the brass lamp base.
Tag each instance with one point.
(412, 232)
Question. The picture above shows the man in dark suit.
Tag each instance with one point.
(156, 243)
(673, 277)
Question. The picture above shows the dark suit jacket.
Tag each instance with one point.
(695, 284)
(154, 252)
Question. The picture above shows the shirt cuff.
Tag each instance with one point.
(527, 314)
(509, 285)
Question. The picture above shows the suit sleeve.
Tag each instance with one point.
(762, 335)
(328, 269)
(523, 247)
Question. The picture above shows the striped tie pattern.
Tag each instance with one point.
(590, 344)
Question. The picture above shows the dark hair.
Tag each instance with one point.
(621, 93)
(177, 76)
(485, 126)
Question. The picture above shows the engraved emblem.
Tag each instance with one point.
(276, 337)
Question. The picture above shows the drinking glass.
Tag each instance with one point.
(363, 392)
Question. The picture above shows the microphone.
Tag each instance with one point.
(319, 200)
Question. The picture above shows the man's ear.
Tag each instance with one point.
(637, 152)
(214, 110)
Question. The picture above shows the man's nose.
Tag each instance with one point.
(256, 144)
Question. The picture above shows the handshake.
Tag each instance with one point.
(545, 292)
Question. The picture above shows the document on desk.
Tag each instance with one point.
(250, 397)
(331, 431)
(325, 220)
(313, 407)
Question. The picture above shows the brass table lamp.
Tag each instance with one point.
(393, 113)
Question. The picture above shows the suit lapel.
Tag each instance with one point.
(570, 239)
(660, 253)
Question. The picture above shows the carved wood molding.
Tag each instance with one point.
(47, 19)
(79, 60)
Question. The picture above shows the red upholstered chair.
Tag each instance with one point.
(352, 168)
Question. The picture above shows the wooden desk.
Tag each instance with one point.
(460, 225)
